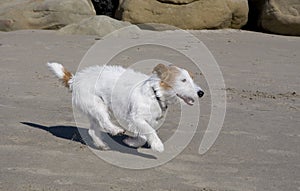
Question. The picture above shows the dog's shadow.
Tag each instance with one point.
(80, 135)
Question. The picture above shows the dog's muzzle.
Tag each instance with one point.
(187, 100)
(200, 93)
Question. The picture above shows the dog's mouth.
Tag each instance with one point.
(187, 100)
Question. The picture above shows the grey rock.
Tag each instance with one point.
(43, 14)
(186, 14)
(96, 25)
(281, 17)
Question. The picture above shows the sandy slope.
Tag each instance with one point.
(258, 148)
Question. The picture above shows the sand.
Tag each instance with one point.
(257, 149)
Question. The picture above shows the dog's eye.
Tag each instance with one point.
(183, 80)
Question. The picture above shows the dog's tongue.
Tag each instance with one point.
(189, 101)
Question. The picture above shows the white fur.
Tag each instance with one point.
(105, 93)
(57, 69)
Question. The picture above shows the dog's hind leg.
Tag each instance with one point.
(97, 140)
(101, 114)
(96, 135)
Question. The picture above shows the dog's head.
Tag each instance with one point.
(179, 82)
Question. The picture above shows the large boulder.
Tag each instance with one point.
(42, 14)
(97, 25)
(281, 17)
(186, 14)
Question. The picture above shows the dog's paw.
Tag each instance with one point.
(157, 146)
(101, 146)
(134, 142)
(104, 147)
(97, 142)
(117, 131)
(130, 142)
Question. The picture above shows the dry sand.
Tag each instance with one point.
(258, 148)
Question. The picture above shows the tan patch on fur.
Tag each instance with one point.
(165, 85)
(167, 74)
(66, 78)
(191, 74)
(161, 70)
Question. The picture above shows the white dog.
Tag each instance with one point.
(134, 99)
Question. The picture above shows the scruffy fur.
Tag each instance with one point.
(137, 101)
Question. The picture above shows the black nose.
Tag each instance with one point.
(200, 93)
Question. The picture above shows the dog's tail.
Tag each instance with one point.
(64, 75)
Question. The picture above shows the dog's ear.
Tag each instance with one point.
(191, 74)
(161, 70)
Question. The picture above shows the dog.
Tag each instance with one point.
(136, 100)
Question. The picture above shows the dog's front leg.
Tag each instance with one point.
(146, 130)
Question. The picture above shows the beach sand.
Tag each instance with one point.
(257, 149)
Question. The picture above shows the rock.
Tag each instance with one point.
(281, 17)
(186, 14)
(97, 25)
(42, 14)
